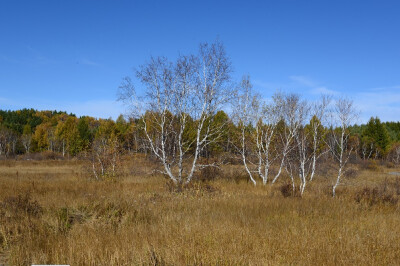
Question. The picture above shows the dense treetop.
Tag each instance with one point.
(29, 130)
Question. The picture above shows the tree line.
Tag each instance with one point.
(30, 131)
(192, 115)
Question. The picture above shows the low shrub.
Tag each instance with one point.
(196, 187)
(287, 190)
(351, 173)
(67, 217)
(390, 165)
(19, 215)
(21, 205)
(385, 193)
(370, 165)
(208, 174)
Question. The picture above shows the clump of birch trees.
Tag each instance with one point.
(179, 104)
(292, 134)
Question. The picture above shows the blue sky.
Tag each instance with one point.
(72, 55)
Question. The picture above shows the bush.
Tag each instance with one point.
(390, 165)
(19, 206)
(385, 193)
(237, 175)
(18, 217)
(351, 173)
(208, 174)
(67, 217)
(370, 165)
(287, 190)
(196, 187)
(373, 196)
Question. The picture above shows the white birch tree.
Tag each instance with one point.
(319, 118)
(246, 113)
(291, 118)
(179, 95)
(344, 115)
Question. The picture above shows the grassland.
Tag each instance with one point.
(52, 213)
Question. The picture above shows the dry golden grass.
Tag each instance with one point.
(62, 217)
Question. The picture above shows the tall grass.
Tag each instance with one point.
(52, 213)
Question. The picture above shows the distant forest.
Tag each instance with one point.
(30, 131)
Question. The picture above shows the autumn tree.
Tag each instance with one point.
(68, 135)
(192, 87)
(40, 138)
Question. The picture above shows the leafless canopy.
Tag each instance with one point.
(179, 102)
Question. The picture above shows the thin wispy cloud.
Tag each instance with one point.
(297, 83)
(383, 102)
(324, 90)
(314, 87)
(396, 87)
(303, 81)
(28, 55)
(267, 85)
(38, 57)
(8, 59)
(88, 62)
(6, 102)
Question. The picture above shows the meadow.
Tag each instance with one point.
(52, 212)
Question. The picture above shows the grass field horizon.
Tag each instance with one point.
(53, 213)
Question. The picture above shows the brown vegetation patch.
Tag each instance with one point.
(138, 219)
(287, 190)
(387, 192)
